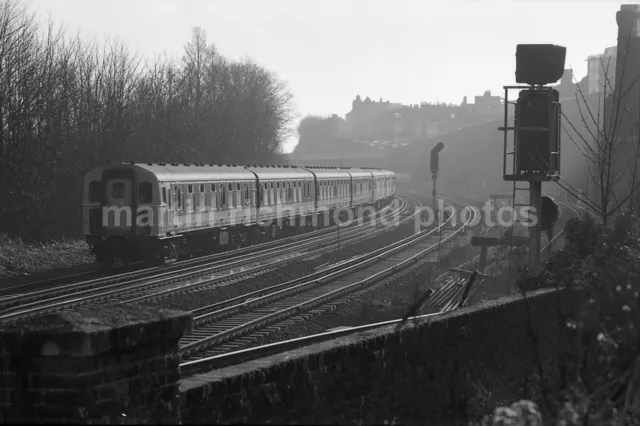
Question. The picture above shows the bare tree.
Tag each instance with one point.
(67, 105)
(608, 139)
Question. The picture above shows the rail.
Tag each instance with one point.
(120, 288)
(307, 305)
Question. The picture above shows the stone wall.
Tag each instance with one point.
(120, 364)
(430, 372)
(113, 364)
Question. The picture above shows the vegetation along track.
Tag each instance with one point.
(132, 288)
(236, 323)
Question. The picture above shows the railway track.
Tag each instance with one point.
(452, 294)
(64, 283)
(132, 287)
(443, 300)
(459, 279)
(229, 326)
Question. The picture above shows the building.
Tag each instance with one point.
(385, 125)
(390, 125)
(567, 88)
(601, 69)
(488, 105)
(363, 111)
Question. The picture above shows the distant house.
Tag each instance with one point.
(488, 105)
(567, 88)
(601, 70)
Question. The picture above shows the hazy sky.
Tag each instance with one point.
(329, 51)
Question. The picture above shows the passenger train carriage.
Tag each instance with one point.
(159, 211)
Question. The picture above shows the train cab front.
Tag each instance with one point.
(109, 214)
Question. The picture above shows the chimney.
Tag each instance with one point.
(628, 19)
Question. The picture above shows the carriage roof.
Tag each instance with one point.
(196, 172)
(280, 172)
(329, 172)
(378, 173)
(360, 173)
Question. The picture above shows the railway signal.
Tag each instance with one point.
(537, 130)
(435, 158)
(536, 144)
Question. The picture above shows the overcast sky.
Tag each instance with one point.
(329, 51)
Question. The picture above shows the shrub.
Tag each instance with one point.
(602, 366)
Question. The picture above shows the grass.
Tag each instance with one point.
(18, 258)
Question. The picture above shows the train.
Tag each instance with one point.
(161, 212)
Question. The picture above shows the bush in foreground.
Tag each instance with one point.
(601, 368)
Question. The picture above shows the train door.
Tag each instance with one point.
(238, 195)
(246, 194)
(373, 190)
(178, 205)
(166, 205)
(201, 198)
(230, 199)
(222, 196)
(213, 198)
(119, 204)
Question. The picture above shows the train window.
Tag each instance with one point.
(117, 190)
(164, 194)
(145, 192)
(335, 190)
(230, 187)
(201, 188)
(178, 198)
(278, 185)
(95, 191)
(190, 189)
(246, 193)
(223, 196)
(237, 186)
(213, 187)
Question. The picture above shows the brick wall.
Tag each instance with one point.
(92, 366)
(428, 373)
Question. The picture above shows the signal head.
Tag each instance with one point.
(539, 63)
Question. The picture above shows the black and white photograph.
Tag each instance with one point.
(358, 212)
